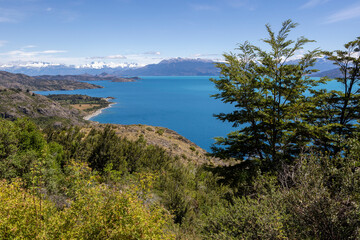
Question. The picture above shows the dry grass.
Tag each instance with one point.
(170, 140)
(85, 106)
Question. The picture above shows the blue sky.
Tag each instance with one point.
(147, 31)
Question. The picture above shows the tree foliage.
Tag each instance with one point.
(341, 106)
(269, 97)
(316, 197)
(286, 123)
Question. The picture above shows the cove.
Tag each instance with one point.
(182, 104)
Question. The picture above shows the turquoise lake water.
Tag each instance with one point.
(182, 104)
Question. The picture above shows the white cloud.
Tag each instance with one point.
(313, 3)
(51, 51)
(152, 53)
(28, 46)
(207, 55)
(344, 14)
(143, 59)
(118, 56)
(214, 57)
(21, 53)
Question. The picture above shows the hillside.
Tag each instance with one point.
(174, 144)
(333, 73)
(24, 82)
(16, 103)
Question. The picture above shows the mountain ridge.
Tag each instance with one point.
(167, 67)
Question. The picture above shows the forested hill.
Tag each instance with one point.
(24, 82)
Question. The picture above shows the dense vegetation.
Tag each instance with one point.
(294, 171)
(82, 102)
(298, 144)
(67, 172)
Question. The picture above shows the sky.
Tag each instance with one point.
(77, 32)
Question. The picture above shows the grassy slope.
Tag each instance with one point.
(17, 104)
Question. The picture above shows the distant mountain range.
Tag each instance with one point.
(332, 73)
(170, 67)
(174, 67)
(41, 68)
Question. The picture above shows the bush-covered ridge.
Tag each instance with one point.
(71, 178)
(24, 82)
(16, 103)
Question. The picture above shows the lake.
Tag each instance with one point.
(182, 104)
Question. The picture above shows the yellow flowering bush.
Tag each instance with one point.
(97, 212)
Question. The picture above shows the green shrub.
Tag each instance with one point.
(23, 215)
(160, 131)
(261, 216)
(97, 212)
(150, 129)
(103, 213)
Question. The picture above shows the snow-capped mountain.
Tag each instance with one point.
(44, 68)
(168, 67)
(102, 65)
(174, 67)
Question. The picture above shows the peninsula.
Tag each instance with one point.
(25, 82)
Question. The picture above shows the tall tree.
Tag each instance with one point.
(270, 99)
(345, 103)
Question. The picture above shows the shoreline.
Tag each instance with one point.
(97, 112)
